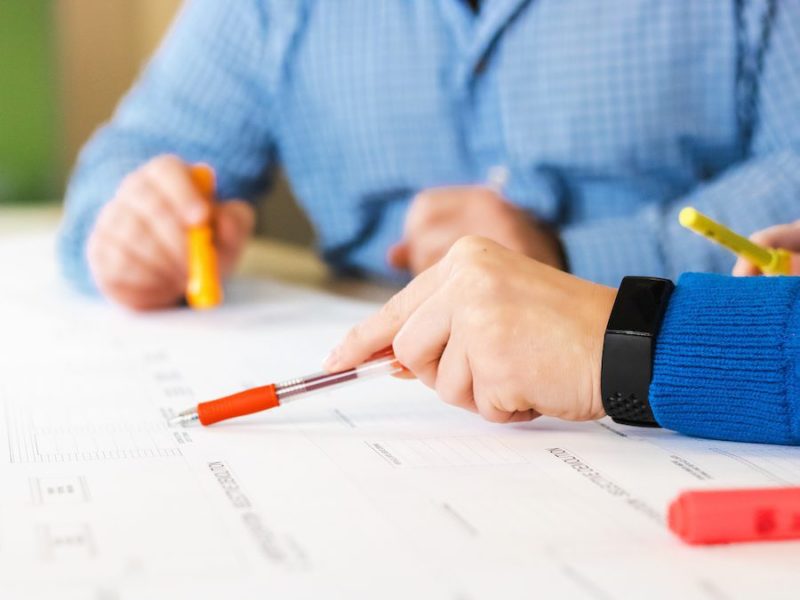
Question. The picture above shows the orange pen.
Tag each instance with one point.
(277, 394)
(203, 288)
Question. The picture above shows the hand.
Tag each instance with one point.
(494, 332)
(439, 217)
(137, 250)
(779, 236)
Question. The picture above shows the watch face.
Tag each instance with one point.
(639, 305)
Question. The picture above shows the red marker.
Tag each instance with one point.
(726, 516)
(277, 394)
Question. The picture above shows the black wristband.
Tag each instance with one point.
(629, 346)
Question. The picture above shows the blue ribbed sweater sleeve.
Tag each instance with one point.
(727, 359)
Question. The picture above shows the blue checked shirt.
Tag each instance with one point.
(610, 116)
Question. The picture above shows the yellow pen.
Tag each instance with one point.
(771, 261)
(203, 289)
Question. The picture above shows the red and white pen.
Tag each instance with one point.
(277, 394)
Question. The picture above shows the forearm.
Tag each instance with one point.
(725, 362)
(761, 190)
(755, 195)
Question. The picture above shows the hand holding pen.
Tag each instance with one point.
(772, 251)
(137, 251)
(785, 236)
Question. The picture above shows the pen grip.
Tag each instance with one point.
(237, 405)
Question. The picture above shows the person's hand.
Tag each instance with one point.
(494, 332)
(438, 217)
(137, 250)
(780, 236)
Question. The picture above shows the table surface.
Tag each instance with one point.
(263, 258)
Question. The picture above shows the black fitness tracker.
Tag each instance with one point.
(628, 348)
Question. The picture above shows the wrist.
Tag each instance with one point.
(602, 303)
(626, 368)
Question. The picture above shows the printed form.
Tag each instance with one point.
(378, 490)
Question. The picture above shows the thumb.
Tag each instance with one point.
(398, 256)
(744, 268)
(234, 221)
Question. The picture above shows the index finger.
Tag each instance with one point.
(176, 181)
(786, 236)
(378, 331)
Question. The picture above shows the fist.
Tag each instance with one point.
(494, 332)
(439, 217)
(137, 250)
(779, 236)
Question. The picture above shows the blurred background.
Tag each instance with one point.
(64, 64)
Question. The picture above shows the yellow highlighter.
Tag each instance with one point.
(771, 261)
(203, 288)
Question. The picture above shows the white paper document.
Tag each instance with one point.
(378, 490)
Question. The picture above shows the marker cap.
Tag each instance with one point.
(725, 516)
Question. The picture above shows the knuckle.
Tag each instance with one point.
(467, 248)
(131, 184)
(131, 229)
(489, 412)
(406, 352)
(496, 401)
(160, 213)
(358, 337)
(485, 199)
(164, 165)
(471, 265)
(164, 161)
(512, 403)
(392, 311)
(111, 262)
(354, 336)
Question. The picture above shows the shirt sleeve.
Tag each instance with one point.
(759, 192)
(727, 360)
(205, 96)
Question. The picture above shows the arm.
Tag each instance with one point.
(755, 194)
(727, 359)
(205, 96)
(512, 339)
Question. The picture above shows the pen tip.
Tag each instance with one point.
(185, 418)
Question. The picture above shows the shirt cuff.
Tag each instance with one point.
(726, 361)
(608, 250)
